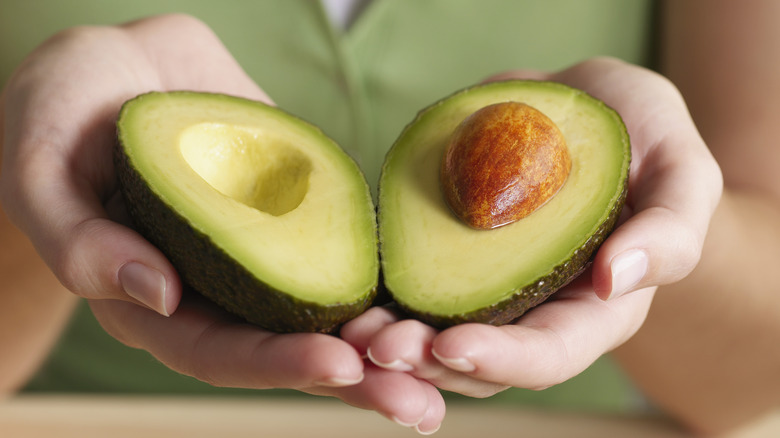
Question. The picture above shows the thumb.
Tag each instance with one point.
(635, 256)
(103, 259)
(92, 255)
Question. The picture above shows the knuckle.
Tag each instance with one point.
(413, 326)
(185, 20)
(68, 271)
(193, 363)
(689, 249)
(71, 264)
(75, 36)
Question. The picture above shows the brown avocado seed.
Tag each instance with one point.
(502, 163)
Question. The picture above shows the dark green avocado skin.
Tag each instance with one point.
(203, 267)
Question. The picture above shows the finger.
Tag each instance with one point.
(359, 331)
(434, 415)
(549, 345)
(397, 396)
(406, 346)
(675, 183)
(207, 344)
(204, 342)
(90, 254)
(672, 197)
(654, 247)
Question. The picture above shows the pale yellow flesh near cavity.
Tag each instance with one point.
(272, 192)
(436, 264)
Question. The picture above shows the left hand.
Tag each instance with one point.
(674, 188)
(58, 185)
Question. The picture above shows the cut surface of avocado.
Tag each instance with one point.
(444, 272)
(258, 210)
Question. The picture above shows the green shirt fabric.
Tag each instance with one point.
(361, 86)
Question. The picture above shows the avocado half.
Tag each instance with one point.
(258, 210)
(443, 272)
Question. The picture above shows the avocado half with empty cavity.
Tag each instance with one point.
(257, 210)
(444, 270)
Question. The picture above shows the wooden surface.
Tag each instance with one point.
(31, 416)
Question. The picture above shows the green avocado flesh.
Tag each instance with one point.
(442, 271)
(257, 210)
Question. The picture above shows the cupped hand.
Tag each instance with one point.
(202, 341)
(674, 187)
(58, 185)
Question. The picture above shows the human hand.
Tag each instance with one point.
(674, 187)
(58, 184)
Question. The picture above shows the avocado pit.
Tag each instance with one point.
(502, 163)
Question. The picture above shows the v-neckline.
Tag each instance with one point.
(343, 42)
(342, 14)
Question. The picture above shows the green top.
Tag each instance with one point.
(361, 87)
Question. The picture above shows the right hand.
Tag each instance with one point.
(674, 187)
(58, 185)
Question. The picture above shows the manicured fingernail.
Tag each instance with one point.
(628, 269)
(396, 365)
(338, 382)
(145, 284)
(427, 432)
(456, 363)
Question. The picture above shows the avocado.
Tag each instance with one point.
(443, 271)
(258, 210)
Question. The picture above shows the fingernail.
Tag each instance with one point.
(427, 432)
(396, 365)
(145, 284)
(628, 269)
(404, 423)
(337, 382)
(456, 363)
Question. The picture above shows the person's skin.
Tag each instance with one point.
(707, 354)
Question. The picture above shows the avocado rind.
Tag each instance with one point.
(519, 298)
(206, 268)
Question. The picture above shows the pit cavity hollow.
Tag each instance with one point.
(254, 167)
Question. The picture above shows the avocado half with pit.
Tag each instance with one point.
(257, 210)
(445, 271)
